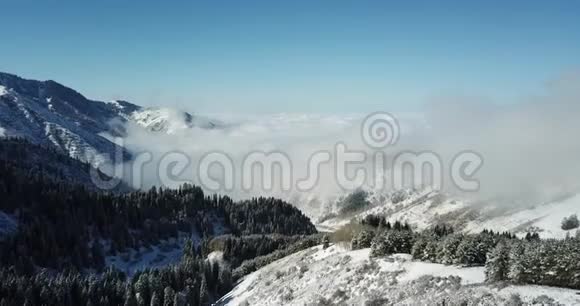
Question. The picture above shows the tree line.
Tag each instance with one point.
(194, 281)
(57, 219)
(527, 260)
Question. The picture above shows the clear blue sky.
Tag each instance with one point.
(291, 56)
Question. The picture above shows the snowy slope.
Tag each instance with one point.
(169, 120)
(425, 208)
(50, 113)
(47, 112)
(162, 254)
(337, 276)
(546, 219)
(420, 208)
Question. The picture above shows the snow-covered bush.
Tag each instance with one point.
(399, 196)
(514, 300)
(286, 294)
(391, 242)
(545, 300)
(362, 240)
(322, 301)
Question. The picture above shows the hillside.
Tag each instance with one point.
(304, 279)
(425, 208)
(48, 113)
(52, 163)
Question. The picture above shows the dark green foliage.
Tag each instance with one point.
(542, 262)
(325, 241)
(362, 240)
(237, 249)
(447, 249)
(56, 219)
(266, 216)
(61, 227)
(354, 202)
(374, 221)
(254, 264)
(50, 163)
(391, 242)
(425, 247)
(496, 267)
(438, 244)
(532, 236)
(193, 280)
(380, 223)
(570, 222)
(471, 251)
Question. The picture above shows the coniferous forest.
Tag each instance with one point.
(507, 258)
(56, 255)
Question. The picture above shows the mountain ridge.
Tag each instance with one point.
(49, 113)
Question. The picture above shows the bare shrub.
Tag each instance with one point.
(346, 232)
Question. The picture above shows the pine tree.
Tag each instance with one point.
(142, 287)
(362, 240)
(155, 300)
(179, 299)
(496, 267)
(203, 293)
(447, 250)
(189, 249)
(225, 281)
(130, 299)
(168, 296)
(515, 260)
(325, 242)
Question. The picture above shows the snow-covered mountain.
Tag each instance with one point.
(169, 120)
(47, 112)
(426, 208)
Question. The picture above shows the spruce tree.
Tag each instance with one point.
(168, 296)
(155, 300)
(497, 265)
(203, 293)
(516, 266)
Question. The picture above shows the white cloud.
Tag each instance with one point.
(530, 149)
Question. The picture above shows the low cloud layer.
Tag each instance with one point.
(530, 148)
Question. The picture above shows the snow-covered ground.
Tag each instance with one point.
(166, 252)
(338, 276)
(160, 255)
(546, 218)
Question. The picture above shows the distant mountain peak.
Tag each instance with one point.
(47, 112)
